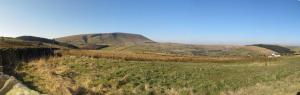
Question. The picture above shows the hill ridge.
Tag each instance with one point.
(46, 41)
(112, 39)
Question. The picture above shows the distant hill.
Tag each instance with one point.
(110, 39)
(123, 42)
(47, 42)
(7, 42)
(279, 49)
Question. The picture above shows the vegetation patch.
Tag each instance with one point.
(47, 41)
(279, 49)
(194, 50)
(131, 56)
(87, 75)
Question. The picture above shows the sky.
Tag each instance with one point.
(181, 21)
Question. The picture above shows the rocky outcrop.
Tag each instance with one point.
(11, 86)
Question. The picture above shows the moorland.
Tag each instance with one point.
(131, 64)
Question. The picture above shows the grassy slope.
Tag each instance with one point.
(6, 42)
(48, 42)
(287, 86)
(130, 56)
(277, 48)
(106, 76)
(194, 50)
(295, 48)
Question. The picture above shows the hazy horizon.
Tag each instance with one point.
(179, 21)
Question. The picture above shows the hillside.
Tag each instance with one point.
(111, 39)
(6, 42)
(296, 49)
(193, 50)
(279, 49)
(140, 44)
(46, 41)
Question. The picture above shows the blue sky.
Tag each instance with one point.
(184, 21)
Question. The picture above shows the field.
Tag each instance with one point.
(194, 50)
(88, 75)
(131, 56)
(295, 48)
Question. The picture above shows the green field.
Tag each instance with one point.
(118, 77)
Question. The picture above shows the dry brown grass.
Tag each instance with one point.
(101, 76)
(48, 76)
(130, 56)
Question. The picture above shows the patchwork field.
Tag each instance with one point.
(86, 75)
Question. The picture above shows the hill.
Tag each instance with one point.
(279, 49)
(111, 39)
(6, 42)
(46, 41)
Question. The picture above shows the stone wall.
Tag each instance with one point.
(12, 57)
